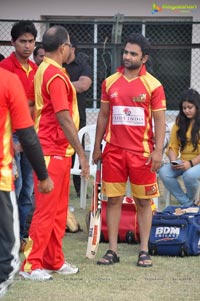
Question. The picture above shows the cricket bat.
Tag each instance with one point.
(95, 216)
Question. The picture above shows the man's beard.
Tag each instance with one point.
(132, 66)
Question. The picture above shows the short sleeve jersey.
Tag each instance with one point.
(174, 143)
(27, 78)
(53, 93)
(13, 105)
(131, 105)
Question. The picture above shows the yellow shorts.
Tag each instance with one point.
(118, 165)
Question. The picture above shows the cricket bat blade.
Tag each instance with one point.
(94, 234)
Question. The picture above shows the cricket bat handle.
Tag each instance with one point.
(83, 192)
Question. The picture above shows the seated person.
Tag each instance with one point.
(184, 148)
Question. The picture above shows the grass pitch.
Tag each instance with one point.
(170, 278)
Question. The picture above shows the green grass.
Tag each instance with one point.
(170, 278)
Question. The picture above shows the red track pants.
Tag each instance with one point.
(44, 247)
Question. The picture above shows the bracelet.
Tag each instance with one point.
(191, 163)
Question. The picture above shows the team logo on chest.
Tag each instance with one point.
(139, 98)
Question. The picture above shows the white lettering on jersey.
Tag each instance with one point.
(128, 116)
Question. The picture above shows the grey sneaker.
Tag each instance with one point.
(37, 274)
(66, 269)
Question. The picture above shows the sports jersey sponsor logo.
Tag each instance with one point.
(124, 115)
(140, 98)
(150, 190)
(127, 111)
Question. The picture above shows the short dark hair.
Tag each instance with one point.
(74, 42)
(139, 39)
(21, 27)
(54, 37)
(35, 51)
(2, 57)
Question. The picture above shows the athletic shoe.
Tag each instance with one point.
(66, 269)
(37, 274)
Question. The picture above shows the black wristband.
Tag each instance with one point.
(191, 164)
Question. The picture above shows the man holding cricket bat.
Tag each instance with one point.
(130, 98)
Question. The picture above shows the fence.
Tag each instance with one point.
(174, 59)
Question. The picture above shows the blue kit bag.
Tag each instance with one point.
(175, 232)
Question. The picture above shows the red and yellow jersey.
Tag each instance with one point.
(12, 64)
(14, 114)
(53, 93)
(131, 105)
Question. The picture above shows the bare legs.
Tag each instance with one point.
(144, 220)
(113, 215)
